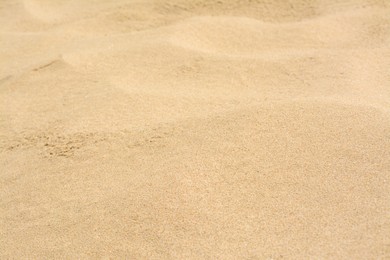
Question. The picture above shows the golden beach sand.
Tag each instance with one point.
(195, 129)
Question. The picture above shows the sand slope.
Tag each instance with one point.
(195, 129)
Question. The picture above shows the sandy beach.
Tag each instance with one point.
(229, 129)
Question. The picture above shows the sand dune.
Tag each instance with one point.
(150, 129)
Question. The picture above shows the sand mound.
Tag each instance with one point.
(244, 36)
(195, 129)
(277, 11)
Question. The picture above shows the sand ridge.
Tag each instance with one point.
(151, 129)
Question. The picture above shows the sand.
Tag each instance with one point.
(142, 129)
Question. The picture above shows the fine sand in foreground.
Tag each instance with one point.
(145, 129)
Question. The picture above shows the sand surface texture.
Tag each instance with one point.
(195, 129)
